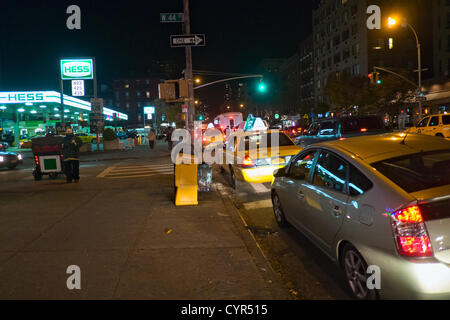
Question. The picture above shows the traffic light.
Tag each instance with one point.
(371, 77)
(377, 78)
(262, 87)
(200, 118)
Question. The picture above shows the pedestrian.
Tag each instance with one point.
(151, 138)
(71, 152)
(169, 137)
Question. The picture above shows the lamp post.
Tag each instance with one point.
(392, 22)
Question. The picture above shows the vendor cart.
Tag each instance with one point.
(48, 156)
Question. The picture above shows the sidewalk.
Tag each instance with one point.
(129, 241)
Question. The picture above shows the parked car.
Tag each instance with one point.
(387, 205)
(294, 132)
(434, 125)
(86, 137)
(3, 145)
(10, 159)
(341, 128)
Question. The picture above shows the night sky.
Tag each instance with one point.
(124, 36)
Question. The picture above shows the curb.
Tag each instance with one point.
(271, 279)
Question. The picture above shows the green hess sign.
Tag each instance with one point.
(77, 69)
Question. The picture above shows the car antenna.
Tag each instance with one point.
(404, 138)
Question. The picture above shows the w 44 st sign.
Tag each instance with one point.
(171, 17)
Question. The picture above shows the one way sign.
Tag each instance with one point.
(195, 40)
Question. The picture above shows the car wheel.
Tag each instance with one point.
(53, 176)
(439, 135)
(233, 178)
(355, 269)
(278, 211)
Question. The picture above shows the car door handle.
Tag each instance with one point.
(300, 194)
(337, 212)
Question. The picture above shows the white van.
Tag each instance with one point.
(230, 119)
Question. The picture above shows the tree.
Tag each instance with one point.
(345, 90)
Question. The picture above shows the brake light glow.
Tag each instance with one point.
(248, 162)
(363, 130)
(36, 160)
(410, 233)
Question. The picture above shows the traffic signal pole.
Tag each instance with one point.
(188, 72)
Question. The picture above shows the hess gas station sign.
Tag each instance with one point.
(77, 69)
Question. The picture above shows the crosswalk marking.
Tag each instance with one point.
(136, 171)
(259, 187)
(258, 204)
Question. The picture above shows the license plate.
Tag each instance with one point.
(278, 161)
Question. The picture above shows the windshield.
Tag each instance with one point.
(419, 171)
(255, 141)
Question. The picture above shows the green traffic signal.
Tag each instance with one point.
(200, 118)
(262, 87)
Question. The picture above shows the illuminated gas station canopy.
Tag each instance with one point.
(43, 97)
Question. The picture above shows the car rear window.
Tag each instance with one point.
(254, 141)
(360, 124)
(418, 171)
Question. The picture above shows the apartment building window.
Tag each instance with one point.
(127, 105)
(147, 94)
(138, 93)
(318, 84)
(356, 69)
(391, 43)
(345, 16)
(117, 96)
(354, 29)
(346, 53)
(337, 58)
(345, 35)
(354, 10)
(355, 49)
(127, 94)
(318, 67)
(337, 40)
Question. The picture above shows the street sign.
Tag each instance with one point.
(184, 108)
(171, 17)
(195, 40)
(96, 117)
(77, 88)
(149, 110)
(77, 69)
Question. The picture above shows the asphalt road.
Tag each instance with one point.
(306, 271)
(109, 222)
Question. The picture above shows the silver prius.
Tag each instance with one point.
(379, 206)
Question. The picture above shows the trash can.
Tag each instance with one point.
(204, 177)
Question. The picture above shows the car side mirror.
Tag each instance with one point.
(281, 172)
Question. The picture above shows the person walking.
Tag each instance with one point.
(151, 138)
(71, 152)
(169, 137)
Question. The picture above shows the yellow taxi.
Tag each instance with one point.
(434, 125)
(86, 137)
(251, 157)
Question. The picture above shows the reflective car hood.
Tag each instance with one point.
(7, 153)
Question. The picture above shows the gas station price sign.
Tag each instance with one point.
(77, 69)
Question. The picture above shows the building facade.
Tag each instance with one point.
(343, 43)
(132, 95)
(306, 70)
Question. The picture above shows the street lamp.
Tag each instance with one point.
(391, 23)
(198, 80)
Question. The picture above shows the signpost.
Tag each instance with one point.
(96, 118)
(191, 40)
(77, 88)
(171, 17)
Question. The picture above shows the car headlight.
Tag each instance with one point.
(2, 159)
(20, 157)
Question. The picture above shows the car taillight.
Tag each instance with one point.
(36, 160)
(363, 130)
(248, 162)
(410, 233)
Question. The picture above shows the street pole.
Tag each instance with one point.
(61, 107)
(419, 62)
(188, 72)
(95, 99)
